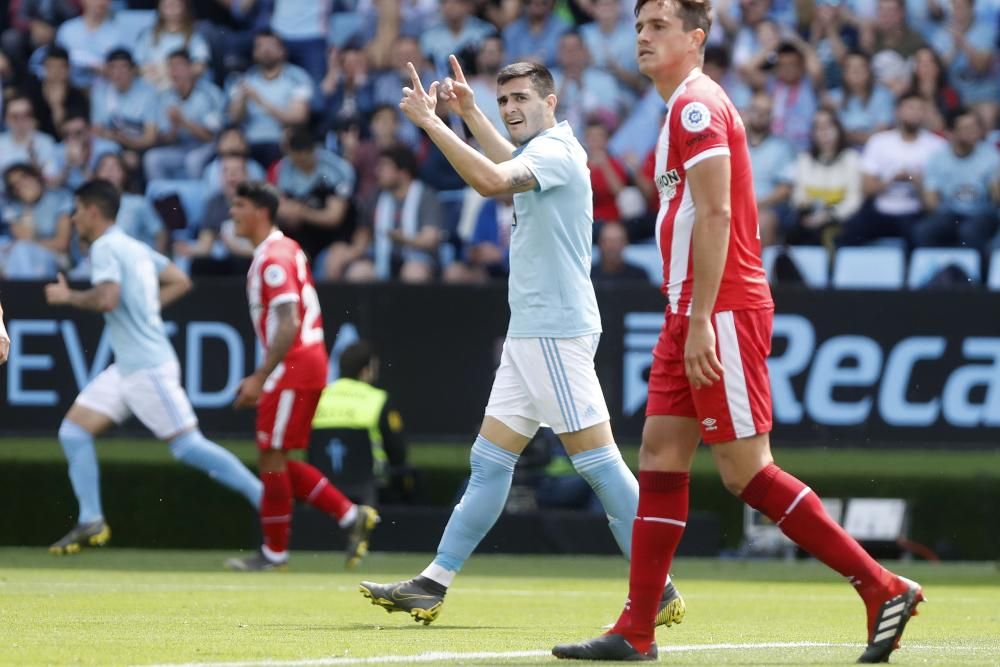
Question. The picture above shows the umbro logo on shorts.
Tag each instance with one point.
(709, 423)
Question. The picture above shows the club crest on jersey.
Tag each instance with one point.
(695, 117)
(668, 182)
(274, 276)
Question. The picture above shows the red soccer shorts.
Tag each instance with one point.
(737, 406)
(284, 418)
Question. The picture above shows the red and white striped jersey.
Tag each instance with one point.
(702, 122)
(280, 274)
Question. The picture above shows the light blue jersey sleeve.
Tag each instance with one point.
(105, 266)
(550, 160)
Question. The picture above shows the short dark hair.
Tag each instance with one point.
(538, 74)
(266, 32)
(76, 113)
(180, 53)
(403, 158)
(692, 13)
(355, 358)
(119, 54)
(788, 48)
(909, 95)
(300, 138)
(57, 52)
(24, 168)
(103, 195)
(961, 112)
(262, 195)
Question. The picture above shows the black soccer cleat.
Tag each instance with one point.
(93, 534)
(888, 624)
(256, 563)
(359, 534)
(420, 597)
(672, 607)
(606, 647)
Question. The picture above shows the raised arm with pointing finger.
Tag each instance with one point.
(458, 95)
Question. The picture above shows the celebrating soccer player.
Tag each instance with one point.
(709, 378)
(131, 283)
(546, 372)
(286, 387)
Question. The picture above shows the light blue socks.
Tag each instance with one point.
(197, 451)
(477, 511)
(78, 446)
(616, 488)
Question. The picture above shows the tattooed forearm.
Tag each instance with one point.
(521, 179)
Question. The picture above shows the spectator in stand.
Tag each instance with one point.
(793, 94)
(363, 153)
(124, 108)
(216, 228)
(231, 143)
(33, 26)
(346, 91)
(930, 81)
(831, 36)
(482, 77)
(500, 13)
(272, 95)
(316, 187)
(607, 175)
(45, 212)
(583, 91)
(22, 142)
(136, 216)
(969, 50)
(78, 153)
(610, 39)
(173, 31)
(190, 114)
(889, 31)
(741, 30)
(458, 29)
(611, 267)
(717, 67)
(389, 82)
(827, 187)
(406, 231)
(535, 35)
(863, 106)
(961, 190)
(302, 26)
(487, 252)
(54, 95)
(89, 38)
(893, 165)
(772, 159)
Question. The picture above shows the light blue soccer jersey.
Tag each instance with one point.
(138, 337)
(550, 292)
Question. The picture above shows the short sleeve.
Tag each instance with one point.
(278, 282)
(105, 267)
(870, 163)
(933, 173)
(301, 85)
(550, 160)
(160, 262)
(699, 130)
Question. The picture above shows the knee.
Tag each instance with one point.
(271, 460)
(733, 482)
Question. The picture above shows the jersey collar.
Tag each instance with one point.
(273, 236)
(695, 73)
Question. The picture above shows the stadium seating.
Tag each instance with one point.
(646, 256)
(813, 263)
(993, 279)
(869, 267)
(925, 263)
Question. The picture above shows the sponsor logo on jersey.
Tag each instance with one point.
(695, 117)
(667, 183)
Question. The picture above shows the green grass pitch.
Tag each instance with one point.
(124, 607)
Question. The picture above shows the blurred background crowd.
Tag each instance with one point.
(869, 122)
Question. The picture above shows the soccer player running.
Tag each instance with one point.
(709, 378)
(131, 282)
(546, 372)
(286, 387)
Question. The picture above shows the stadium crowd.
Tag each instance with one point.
(867, 119)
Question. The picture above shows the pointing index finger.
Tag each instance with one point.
(414, 77)
(456, 67)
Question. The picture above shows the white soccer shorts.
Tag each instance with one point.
(154, 395)
(548, 381)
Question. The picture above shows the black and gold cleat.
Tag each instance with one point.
(93, 534)
(256, 563)
(890, 620)
(672, 607)
(611, 646)
(420, 597)
(359, 534)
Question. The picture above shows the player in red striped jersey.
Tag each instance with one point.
(709, 379)
(286, 387)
